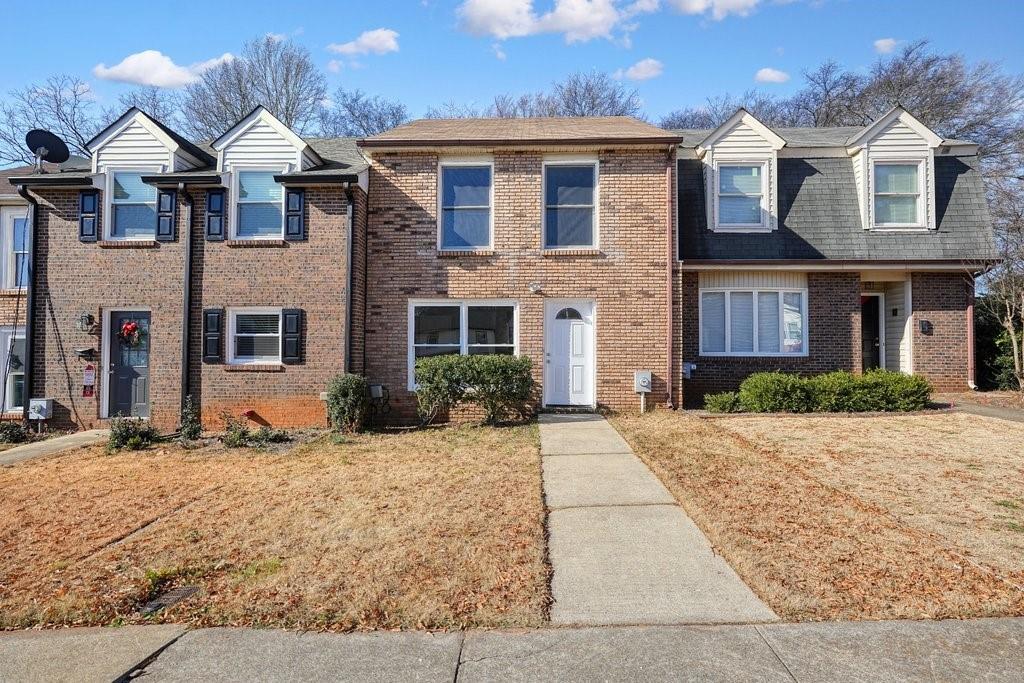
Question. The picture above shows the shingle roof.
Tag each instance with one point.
(554, 130)
(835, 136)
(819, 218)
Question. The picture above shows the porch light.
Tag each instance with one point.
(535, 287)
(85, 322)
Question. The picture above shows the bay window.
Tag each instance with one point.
(897, 195)
(753, 322)
(460, 328)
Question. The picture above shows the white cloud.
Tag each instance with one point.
(577, 20)
(580, 20)
(769, 75)
(499, 52)
(718, 9)
(152, 67)
(884, 46)
(643, 70)
(334, 66)
(499, 18)
(379, 41)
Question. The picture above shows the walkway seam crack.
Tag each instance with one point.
(458, 658)
(774, 652)
(140, 668)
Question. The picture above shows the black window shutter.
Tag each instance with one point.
(213, 334)
(88, 215)
(215, 215)
(166, 212)
(291, 336)
(294, 223)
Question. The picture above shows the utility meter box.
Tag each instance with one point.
(40, 409)
(642, 381)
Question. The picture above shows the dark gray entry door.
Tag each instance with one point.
(128, 376)
(871, 331)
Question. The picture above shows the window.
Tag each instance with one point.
(897, 189)
(254, 336)
(259, 203)
(460, 328)
(133, 207)
(569, 205)
(13, 387)
(465, 220)
(15, 244)
(740, 195)
(752, 322)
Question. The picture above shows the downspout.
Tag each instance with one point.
(30, 300)
(349, 275)
(970, 342)
(669, 289)
(186, 294)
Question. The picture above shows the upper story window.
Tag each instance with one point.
(259, 205)
(740, 196)
(465, 216)
(15, 247)
(897, 195)
(570, 205)
(132, 207)
(757, 322)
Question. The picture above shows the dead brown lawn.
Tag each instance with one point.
(826, 517)
(439, 528)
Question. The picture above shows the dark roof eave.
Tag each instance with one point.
(188, 179)
(545, 142)
(316, 178)
(53, 181)
(967, 263)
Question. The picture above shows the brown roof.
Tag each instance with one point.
(535, 131)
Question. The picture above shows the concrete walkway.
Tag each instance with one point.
(57, 444)
(622, 550)
(984, 649)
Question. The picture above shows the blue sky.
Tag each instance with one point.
(430, 51)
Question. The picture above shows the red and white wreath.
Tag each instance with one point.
(130, 334)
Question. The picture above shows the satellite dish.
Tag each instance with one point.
(46, 147)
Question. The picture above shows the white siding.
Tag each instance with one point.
(742, 143)
(895, 301)
(260, 145)
(859, 162)
(750, 279)
(132, 146)
(899, 141)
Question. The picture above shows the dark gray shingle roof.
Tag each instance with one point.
(796, 137)
(819, 218)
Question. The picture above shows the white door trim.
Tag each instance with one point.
(105, 335)
(588, 308)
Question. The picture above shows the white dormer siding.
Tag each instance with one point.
(133, 146)
(260, 145)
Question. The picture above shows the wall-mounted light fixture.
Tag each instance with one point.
(85, 322)
(535, 287)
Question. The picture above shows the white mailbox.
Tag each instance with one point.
(642, 381)
(40, 409)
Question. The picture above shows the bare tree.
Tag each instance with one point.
(278, 74)
(830, 97)
(353, 113)
(716, 110)
(63, 105)
(454, 110)
(160, 103)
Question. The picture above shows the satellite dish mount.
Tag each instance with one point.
(46, 146)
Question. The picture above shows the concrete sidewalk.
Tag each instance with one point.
(622, 550)
(984, 649)
(57, 444)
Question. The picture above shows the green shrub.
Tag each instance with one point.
(131, 433)
(191, 423)
(725, 402)
(264, 436)
(12, 432)
(775, 392)
(238, 435)
(441, 384)
(348, 402)
(840, 392)
(894, 391)
(501, 385)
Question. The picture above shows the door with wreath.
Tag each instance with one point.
(128, 374)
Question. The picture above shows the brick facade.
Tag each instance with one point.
(625, 276)
(940, 354)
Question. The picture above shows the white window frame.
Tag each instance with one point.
(463, 305)
(921, 223)
(8, 335)
(455, 162)
(9, 214)
(233, 313)
(570, 161)
(108, 202)
(233, 194)
(728, 291)
(763, 226)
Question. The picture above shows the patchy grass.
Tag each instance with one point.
(999, 399)
(830, 517)
(437, 528)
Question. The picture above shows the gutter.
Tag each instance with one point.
(971, 367)
(53, 180)
(317, 178)
(669, 291)
(519, 142)
(349, 272)
(186, 294)
(30, 300)
(178, 179)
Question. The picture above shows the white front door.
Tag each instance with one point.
(569, 353)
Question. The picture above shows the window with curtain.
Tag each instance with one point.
(255, 337)
(260, 204)
(897, 194)
(461, 328)
(752, 322)
(740, 190)
(569, 209)
(133, 207)
(14, 365)
(465, 207)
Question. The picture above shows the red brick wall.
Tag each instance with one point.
(941, 355)
(625, 277)
(834, 337)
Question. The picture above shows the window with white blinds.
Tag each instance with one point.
(760, 322)
(740, 194)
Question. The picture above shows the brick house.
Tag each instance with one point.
(248, 271)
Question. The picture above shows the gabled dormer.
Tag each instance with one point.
(740, 160)
(261, 138)
(894, 166)
(137, 139)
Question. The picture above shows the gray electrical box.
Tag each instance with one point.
(642, 381)
(40, 409)
(688, 369)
